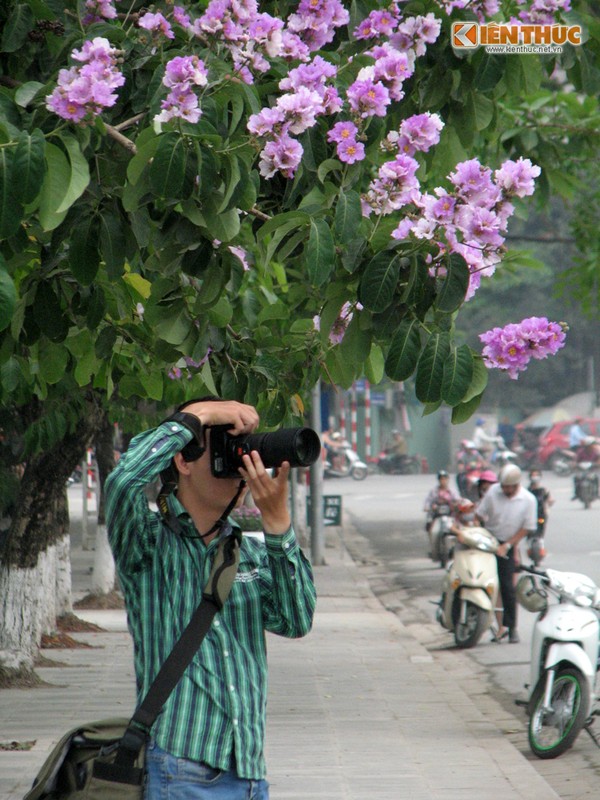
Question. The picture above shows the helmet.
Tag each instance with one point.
(465, 505)
(488, 476)
(530, 595)
(510, 475)
(336, 436)
(588, 440)
(480, 421)
(442, 474)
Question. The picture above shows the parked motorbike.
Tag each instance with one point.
(351, 464)
(441, 537)
(585, 483)
(395, 464)
(535, 543)
(564, 657)
(470, 587)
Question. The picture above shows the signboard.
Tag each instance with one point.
(332, 509)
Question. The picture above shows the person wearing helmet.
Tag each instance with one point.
(486, 479)
(440, 495)
(508, 511)
(484, 441)
(588, 451)
(544, 501)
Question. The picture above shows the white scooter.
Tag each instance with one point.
(470, 587)
(351, 464)
(564, 657)
(441, 538)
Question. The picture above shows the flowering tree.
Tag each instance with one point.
(238, 198)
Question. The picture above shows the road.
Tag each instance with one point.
(387, 536)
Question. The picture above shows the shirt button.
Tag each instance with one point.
(217, 623)
(232, 688)
(175, 428)
(286, 546)
(226, 653)
(154, 449)
(236, 722)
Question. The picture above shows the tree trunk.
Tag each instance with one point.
(29, 575)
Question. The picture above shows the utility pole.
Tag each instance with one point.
(317, 528)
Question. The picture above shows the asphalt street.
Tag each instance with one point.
(390, 541)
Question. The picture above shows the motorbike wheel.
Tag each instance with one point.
(467, 634)
(359, 473)
(536, 550)
(551, 733)
(561, 466)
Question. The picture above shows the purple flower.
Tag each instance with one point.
(517, 178)
(513, 346)
(368, 98)
(283, 154)
(83, 91)
(97, 10)
(300, 109)
(312, 76)
(182, 71)
(344, 318)
(342, 132)
(419, 133)
(156, 22)
(378, 23)
(350, 151)
(267, 121)
(474, 182)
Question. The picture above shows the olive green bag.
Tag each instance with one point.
(104, 760)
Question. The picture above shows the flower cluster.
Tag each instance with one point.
(182, 74)
(82, 92)
(470, 220)
(156, 23)
(483, 9)
(97, 10)
(512, 347)
(306, 96)
(542, 12)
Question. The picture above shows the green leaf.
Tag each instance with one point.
(458, 373)
(430, 369)
(79, 178)
(327, 166)
(57, 177)
(8, 297)
(48, 313)
(167, 170)
(479, 380)
(26, 93)
(340, 369)
(348, 217)
(142, 159)
(84, 257)
(404, 351)
(153, 384)
(29, 166)
(112, 243)
(140, 284)
(53, 360)
(10, 210)
(86, 366)
(320, 252)
(455, 285)
(20, 21)
(379, 281)
(464, 411)
(225, 226)
(232, 179)
(490, 71)
(375, 365)
(356, 344)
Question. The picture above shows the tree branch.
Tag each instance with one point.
(122, 140)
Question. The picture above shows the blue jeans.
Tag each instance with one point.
(172, 778)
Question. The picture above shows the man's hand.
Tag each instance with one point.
(503, 549)
(242, 417)
(269, 493)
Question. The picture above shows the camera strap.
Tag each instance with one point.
(172, 522)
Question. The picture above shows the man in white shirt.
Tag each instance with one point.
(508, 511)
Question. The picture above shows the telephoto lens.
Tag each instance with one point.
(299, 446)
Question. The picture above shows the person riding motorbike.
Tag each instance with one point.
(544, 500)
(440, 495)
(333, 444)
(587, 452)
(486, 479)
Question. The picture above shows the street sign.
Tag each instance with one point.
(332, 509)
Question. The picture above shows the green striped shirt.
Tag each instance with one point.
(219, 706)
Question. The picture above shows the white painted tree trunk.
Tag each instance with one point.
(64, 597)
(103, 575)
(21, 617)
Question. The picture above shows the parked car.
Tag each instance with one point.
(556, 438)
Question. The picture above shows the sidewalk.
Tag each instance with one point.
(357, 709)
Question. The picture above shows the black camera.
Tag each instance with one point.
(300, 446)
